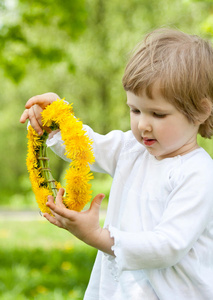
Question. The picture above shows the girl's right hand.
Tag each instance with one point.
(34, 107)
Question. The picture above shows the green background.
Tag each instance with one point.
(77, 49)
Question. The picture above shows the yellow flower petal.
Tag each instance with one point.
(78, 148)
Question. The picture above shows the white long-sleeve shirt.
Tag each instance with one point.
(160, 214)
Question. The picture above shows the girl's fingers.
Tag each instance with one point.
(59, 198)
(50, 199)
(33, 114)
(24, 116)
(62, 211)
(52, 220)
(39, 99)
(56, 207)
(96, 202)
(35, 120)
(42, 100)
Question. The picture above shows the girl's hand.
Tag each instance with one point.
(34, 107)
(84, 225)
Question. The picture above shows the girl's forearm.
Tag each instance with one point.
(102, 242)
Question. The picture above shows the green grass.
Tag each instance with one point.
(41, 261)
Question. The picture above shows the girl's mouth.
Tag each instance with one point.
(148, 142)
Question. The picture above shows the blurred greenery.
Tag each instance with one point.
(39, 261)
(77, 49)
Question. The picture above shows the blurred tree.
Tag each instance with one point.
(38, 30)
(77, 49)
(34, 37)
(102, 51)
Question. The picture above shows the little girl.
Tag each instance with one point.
(157, 241)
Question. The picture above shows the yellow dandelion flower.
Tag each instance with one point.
(78, 148)
(66, 265)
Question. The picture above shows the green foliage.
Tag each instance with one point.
(77, 49)
(40, 30)
(44, 274)
(42, 262)
(206, 144)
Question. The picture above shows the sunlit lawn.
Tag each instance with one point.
(40, 261)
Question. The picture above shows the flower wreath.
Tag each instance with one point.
(78, 146)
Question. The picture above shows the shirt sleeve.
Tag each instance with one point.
(106, 148)
(188, 213)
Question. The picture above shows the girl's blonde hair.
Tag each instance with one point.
(183, 64)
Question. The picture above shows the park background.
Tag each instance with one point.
(77, 49)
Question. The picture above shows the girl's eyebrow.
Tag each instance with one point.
(155, 109)
(158, 109)
(130, 104)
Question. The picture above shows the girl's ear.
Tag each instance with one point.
(207, 110)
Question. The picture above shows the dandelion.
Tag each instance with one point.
(59, 115)
(66, 266)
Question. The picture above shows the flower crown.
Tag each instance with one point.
(78, 146)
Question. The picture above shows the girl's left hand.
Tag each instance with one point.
(84, 225)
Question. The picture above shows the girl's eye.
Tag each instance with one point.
(135, 111)
(159, 115)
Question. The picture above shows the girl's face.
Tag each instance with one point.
(160, 127)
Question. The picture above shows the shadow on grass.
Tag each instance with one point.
(45, 274)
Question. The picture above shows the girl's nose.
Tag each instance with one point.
(144, 124)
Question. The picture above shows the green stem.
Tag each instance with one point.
(43, 160)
